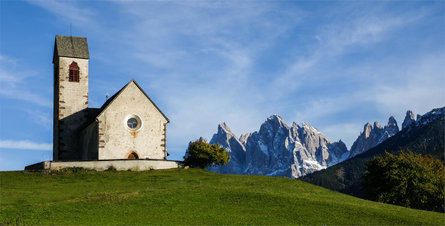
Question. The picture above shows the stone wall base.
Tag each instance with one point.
(100, 165)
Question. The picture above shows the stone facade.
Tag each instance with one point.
(70, 104)
(117, 140)
(128, 126)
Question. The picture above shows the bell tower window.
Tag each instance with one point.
(74, 72)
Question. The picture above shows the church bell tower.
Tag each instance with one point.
(70, 95)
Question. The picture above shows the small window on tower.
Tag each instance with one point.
(74, 72)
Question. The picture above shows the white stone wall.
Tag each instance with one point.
(134, 165)
(116, 141)
(70, 104)
(73, 96)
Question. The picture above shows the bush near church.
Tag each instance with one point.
(202, 154)
(406, 179)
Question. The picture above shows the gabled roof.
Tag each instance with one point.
(112, 98)
(69, 46)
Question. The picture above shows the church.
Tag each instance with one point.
(127, 127)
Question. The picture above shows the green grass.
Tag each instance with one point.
(190, 196)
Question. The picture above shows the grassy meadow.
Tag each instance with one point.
(185, 196)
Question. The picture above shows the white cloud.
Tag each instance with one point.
(25, 144)
(68, 10)
(200, 60)
(14, 81)
(336, 39)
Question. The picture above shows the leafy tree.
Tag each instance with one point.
(407, 179)
(202, 154)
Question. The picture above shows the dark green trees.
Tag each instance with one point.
(201, 154)
(406, 179)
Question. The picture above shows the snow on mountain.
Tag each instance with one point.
(431, 116)
(278, 150)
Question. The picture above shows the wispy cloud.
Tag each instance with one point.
(70, 11)
(335, 39)
(14, 81)
(25, 144)
(239, 62)
(418, 87)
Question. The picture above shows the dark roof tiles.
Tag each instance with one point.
(69, 46)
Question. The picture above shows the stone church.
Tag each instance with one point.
(128, 126)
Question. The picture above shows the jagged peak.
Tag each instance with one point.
(367, 126)
(392, 120)
(307, 126)
(409, 118)
(377, 125)
(243, 138)
(276, 119)
(223, 126)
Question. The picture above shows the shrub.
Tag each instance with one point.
(406, 179)
(202, 154)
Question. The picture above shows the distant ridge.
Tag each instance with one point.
(424, 135)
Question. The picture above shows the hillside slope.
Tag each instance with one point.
(190, 196)
(426, 136)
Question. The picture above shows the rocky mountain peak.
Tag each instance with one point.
(276, 121)
(377, 125)
(279, 150)
(392, 128)
(392, 121)
(431, 116)
(243, 138)
(409, 118)
(373, 135)
(367, 130)
(224, 128)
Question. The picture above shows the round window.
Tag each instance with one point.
(133, 122)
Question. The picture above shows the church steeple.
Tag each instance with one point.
(70, 61)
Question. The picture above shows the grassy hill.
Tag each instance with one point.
(189, 196)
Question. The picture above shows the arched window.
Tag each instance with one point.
(74, 72)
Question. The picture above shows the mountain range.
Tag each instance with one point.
(278, 149)
(426, 135)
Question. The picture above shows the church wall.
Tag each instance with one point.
(73, 96)
(133, 165)
(71, 104)
(117, 141)
(90, 141)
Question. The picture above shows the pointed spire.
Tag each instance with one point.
(409, 118)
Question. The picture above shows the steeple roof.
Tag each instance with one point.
(69, 46)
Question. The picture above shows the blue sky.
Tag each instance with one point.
(335, 65)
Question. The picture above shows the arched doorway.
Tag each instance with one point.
(133, 155)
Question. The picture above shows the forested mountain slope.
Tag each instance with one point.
(425, 136)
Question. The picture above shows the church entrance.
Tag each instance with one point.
(133, 155)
